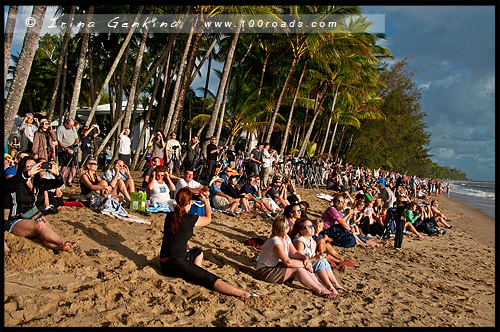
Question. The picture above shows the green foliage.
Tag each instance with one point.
(398, 143)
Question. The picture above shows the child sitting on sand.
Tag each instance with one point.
(323, 243)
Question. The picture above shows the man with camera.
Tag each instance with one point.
(157, 144)
(173, 149)
(212, 154)
(88, 142)
(28, 128)
(193, 153)
(125, 147)
(67, 156)
(256, 159)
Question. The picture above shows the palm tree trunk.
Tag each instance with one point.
(23, 69)
(108, 136)
(330, 120)
(340, 143)
(135, 76)
(223, 110)
(225, 75)
(81, 64)
(119, 94)
(91, 75)
(175, 96)
(186, 81)
(319, 104)
(147, 116)
(278, 103)
(152, 70)
(289, 121)
(208, 55)
(112, 69)
(333, 137)
(261, 81)
(165, 88)
(323, 146)
(7, 44)
(63, 88)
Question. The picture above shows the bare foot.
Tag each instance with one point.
(68, 246)
(5, 248)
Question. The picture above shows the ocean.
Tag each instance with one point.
(477, 194)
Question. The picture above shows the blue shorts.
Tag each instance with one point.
(321, 265)
(11, 223)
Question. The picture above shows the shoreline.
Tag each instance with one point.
(479, 203)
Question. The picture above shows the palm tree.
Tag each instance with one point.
(81, 64)
(111, 72)
(135, 78)
(23, 68)
(9, 33)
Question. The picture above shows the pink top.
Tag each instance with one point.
(330, 217)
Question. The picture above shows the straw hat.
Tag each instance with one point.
(215, 179)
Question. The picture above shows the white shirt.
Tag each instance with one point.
(182, 183)
(267, 257)
(266, 159)
(124, 145)
(170, 143)
(161, 194)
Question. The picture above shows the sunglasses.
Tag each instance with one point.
(29, 118)
(297, 211)
(45, 124)
(308, 226)
(93, 163)
(29, 166)
(339, 201)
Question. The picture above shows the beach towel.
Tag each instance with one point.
(325, 197)
(112, 208)
(158, 207)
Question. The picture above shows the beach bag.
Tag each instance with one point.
(198, 208)
(138, 200)
(426, 227)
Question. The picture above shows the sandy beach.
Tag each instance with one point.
(114, 278)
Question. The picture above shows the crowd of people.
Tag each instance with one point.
(368, 207)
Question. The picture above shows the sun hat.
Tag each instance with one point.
(215, 179)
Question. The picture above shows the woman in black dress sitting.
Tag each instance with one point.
(176, 261)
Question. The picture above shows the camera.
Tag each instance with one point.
(46, 165)
(175, 147)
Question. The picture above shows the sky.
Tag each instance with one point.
(452, 49)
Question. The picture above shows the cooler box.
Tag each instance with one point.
(197, 208)
(138, 201)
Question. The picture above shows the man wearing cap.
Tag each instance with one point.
(218, 199)
(28, 128)
(173, 155)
